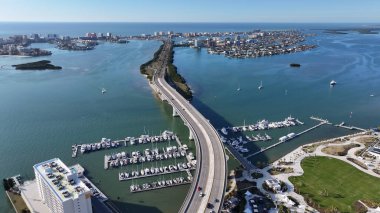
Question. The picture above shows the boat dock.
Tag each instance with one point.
(288, 139)
(262, 125)
(311, 128)
(320, 120)
(351, 127)
(161, 187)
(160, 184)
(156, 174)
(75, 150)
(108, 143)
(106, 160)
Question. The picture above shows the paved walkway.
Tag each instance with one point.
(296, 156)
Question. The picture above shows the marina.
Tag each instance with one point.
(316, 98)
(149, 172)
(106, 143)
(136, 157)
(288, 137)
(262, 125)
(160, 184)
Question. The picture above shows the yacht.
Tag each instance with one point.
(332, 83)
(224, 131)
(261, 85)
(83, 148)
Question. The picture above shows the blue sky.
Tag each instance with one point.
(191, 11)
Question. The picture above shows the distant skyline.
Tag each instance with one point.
(329, 11)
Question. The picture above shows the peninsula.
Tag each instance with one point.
(172, 76)
(38, 65)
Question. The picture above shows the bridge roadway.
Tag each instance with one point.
(211, 159)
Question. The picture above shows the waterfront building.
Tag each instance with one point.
(198, 43)
(60, 188)
(52, 36)
(35, 36)
(91, 35)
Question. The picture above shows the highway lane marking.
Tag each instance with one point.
(209, 146)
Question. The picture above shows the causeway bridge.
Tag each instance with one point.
(211, 169)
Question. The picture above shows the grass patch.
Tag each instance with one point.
(332, 185)
(244, 185)
(232, 162)
(257, 175)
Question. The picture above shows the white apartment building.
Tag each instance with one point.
(61, 189)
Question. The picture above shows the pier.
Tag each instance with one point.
(320, 119)
(106, 160)
(351, 127)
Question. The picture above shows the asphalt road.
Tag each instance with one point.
(211, 173)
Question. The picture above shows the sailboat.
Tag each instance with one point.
(261, 85)
(238, 89)
(104, 90)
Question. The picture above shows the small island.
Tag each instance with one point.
(38, 65)
(295, 65)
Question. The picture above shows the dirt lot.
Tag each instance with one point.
(339, 150)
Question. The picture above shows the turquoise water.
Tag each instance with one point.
(352, 60)
(43, 113)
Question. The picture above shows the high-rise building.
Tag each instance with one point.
(60, 188)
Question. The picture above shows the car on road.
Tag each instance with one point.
(199, 188)
(210, 206)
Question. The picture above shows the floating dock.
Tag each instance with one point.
(351, 127)
(156, 174)
(160, 187)
(109, 144)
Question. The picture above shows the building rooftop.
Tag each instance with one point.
(62, 180)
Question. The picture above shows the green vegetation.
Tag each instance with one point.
(280, 170)
(144, 67)
(38, 65)
(331, 185)
(8, 183)
(232, 162)
(256, 175)
(174, 77)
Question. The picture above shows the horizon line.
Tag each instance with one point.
(195, 22)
